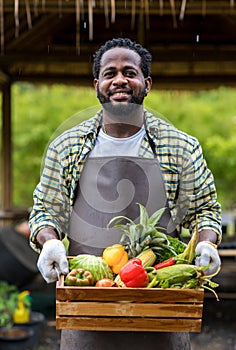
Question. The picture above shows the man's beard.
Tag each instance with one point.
(122, 110)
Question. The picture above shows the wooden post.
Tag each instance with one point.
(6, 162)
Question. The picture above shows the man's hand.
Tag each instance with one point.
(207, 255)
(52, 260)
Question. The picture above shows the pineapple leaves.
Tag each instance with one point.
(118, 220)
(153, 220)
(136, 237)
(144, 219)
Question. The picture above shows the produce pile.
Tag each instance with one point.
(145, 257)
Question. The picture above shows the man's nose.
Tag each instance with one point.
(119, 79)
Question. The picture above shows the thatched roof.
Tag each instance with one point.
(193, 42)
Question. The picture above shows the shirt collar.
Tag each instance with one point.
(91, 125)
(151, 123)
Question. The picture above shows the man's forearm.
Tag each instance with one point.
(208, 235)
(45, 234)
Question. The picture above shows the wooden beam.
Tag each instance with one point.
(192, 7)
(45, 25)
(4, 78)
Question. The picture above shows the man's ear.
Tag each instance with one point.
(95, 83)
(148, 83)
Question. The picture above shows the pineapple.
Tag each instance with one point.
(143, 235)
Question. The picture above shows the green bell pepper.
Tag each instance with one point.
(79, 277)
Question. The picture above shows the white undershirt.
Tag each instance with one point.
(106, 145)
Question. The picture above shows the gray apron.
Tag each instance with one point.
(108, 187)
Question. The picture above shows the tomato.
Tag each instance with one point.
(106, 282)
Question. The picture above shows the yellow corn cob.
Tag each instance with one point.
(118, 281)
(148, 258)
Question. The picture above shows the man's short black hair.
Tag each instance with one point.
(145, 55)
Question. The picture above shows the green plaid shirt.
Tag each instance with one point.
(183, 167)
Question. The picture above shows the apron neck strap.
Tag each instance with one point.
(151, 143)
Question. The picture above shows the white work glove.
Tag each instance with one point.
(52, 261)
(207, 255)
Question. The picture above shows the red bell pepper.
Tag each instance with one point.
(133, 274)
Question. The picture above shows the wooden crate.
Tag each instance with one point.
(128, 309)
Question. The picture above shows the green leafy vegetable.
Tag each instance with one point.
(95, 264)
(177, 245)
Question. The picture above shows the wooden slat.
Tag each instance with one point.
(148, 295)
(129, 294)
(129, 324)
(128, 309)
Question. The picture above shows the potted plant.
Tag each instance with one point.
(15, 310)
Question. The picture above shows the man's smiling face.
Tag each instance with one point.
(121, 84)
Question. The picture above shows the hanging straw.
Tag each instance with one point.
(106, 11)
(77, 11)
(36, 8)
(16, 16)
(172, 5)
(113, 11)
(82, 9)
(182, 10)
(90, 16)
(146, 6)
(28, 14)
(43, 5)
(60, 8)
(133, 14)
(231, 5)
(161, 6)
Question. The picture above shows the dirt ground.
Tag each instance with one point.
(218, 328)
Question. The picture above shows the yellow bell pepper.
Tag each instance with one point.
(115, 256)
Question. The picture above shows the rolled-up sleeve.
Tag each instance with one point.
(198, 181)
(51, 198)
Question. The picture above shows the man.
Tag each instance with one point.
(104, 166)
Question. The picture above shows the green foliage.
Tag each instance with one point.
(8, 303)
(10, 297)
(37, 113)
(211, 117)
(222, 158)
(41, 112)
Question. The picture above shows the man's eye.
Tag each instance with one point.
(108, 74)
(130, 74)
